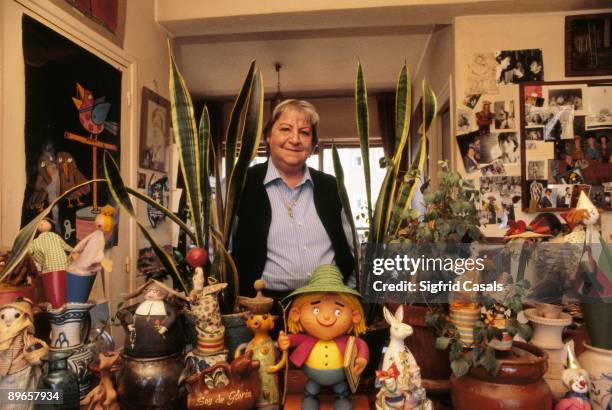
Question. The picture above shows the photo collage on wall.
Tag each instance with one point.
(488, 127)
(567, 130)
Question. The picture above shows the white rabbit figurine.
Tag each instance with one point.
(409, 379)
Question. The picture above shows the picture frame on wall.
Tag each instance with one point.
(573, 157)
(154, 131)
(588, 45)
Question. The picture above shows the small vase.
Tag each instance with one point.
(78, 287)
(598, 317)
(598, 363)
(60, 378)
(464, 319)
(54, 285)
(236, 332)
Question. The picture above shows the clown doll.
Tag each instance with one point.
(323, 315)
(20, 351)
(576, 379)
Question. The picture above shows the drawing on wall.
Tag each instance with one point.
(72, 117)
(154, 131)
(519, 66)
(481, 74)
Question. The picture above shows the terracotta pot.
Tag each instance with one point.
(434, 363)
(598, 362)
(518, 385)
(150, 383)
(8, 293)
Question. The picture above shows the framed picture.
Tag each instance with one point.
(566, 144)
(588, 46)
(154, 131)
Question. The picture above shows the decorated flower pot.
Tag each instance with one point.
(517, 385)
(598, 362)
(9, 293)
(464, 317)
(78, 287)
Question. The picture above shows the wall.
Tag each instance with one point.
(508, 32)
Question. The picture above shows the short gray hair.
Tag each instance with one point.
(303, 106)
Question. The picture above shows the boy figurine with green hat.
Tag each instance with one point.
(322, 316)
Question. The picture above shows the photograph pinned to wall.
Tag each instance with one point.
(587, 44)
(534, 96)
(484, 118)
(142, 180)
(541, 149)
(534, 134)
(481, 71)
(599, 106)
(576, 190)
(559, 123)
(579, 126)
(157, 190)
(519, 66)
(508, 147)
(504, 115)
(565, 96)
(507, 187)
(548, 199)
(491, 208)
(494, 168)
(471, 100)
(470, 148)
(534, 189)
(570, 176)
(563, 193)
(154, 131)
(536, 170)
(463, 120)
(531, 145)
(600, 197)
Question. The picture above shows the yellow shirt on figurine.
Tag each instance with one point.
(325, 355)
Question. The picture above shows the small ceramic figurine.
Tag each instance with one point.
(409, 378)
(576, 379)
(20, 351)
(261, 322)
(152, 326)
(322, 316)
(390, 395)
(49, 252)
(88, 258)
(104, 395)
(204, 306)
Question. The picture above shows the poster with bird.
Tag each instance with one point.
(73, 111)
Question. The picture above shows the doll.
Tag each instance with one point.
(576, 379)
(152, 325)
(20, 351)
(321, 318)
(49, 252)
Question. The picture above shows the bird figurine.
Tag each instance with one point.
(71, 176)
(47, 185)
(93, 112)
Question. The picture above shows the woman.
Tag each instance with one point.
(508, 144)
(290, 218)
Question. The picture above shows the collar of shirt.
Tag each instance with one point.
(272, 175)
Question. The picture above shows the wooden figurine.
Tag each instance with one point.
(224, 386)
(576, 379)
(104, 395)
(89, 259)
(152, 326)
(321, 319)
(409, 378)
(20, 351)
(261, 322)
(49, 252)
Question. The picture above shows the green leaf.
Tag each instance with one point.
(185, 136)
(489, 362)
(455, 350)
(402, 115)
(525, 331)
(205, 188)
(234, 122)
(119, 192)
(26, 234)
(442, 342)
(346, 204)
(460, 367)
(384, 205)
(363, 130)
(431, 319)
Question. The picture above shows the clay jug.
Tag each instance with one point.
(598, 362)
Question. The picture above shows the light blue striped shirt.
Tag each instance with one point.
(298, 245)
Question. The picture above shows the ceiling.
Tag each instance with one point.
(318, 42)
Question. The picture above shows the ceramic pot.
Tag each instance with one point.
(236, 332)
(78, 287)
(9, 294)
(598, 363)
(70, 327)
(518, 385)
(54, 286)
(464, 319)
(59, 377)
(150, 383)
(547, 335)
(598, 317)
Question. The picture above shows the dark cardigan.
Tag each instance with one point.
(250, 243)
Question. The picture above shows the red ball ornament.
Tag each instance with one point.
(197, 257)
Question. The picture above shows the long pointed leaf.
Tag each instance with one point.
(402, 115)
(346, 204)
(26, 234)
(233, 128)
(185, 133)
(205, 188)
(120, 193)
(363, 130)
(383, 208)
(248, 149)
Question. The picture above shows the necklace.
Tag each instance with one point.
(288, 203)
